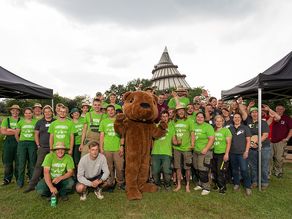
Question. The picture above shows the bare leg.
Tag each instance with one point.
(178, 176)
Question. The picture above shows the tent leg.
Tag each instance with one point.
(53, 104)
(260, 137)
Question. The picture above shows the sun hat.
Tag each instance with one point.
(15, 106)
(37, 105)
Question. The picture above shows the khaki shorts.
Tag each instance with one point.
(182, 156)
(202, 162)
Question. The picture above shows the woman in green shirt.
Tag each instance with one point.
(26, 145)
(202, 154)
(220, 154)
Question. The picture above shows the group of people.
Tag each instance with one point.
(207, 140)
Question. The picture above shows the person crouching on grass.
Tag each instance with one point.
(92, 172)
(58, 172)
(162, 153)
(184, 141)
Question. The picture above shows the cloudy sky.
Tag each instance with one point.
(79, 47)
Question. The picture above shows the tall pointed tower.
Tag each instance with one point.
(166, 75)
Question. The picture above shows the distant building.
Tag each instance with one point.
(166, 75)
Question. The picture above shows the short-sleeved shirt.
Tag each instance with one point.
(95, 118)
(239, 135)
(12, 122)
(42, 126)
(62, 131)
(220, 140)
(254, 129)
(163, 145)
(183, 129)
(58, 167)
(78, 127)
(184, 101)
(111, 139)
(26, 129)
(281, 129)
(202, 133)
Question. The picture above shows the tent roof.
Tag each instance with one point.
(276, 82)
(13, 86)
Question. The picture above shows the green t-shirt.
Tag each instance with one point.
(78, 127)
(111, 139)
(13, 123)
(202, 132)
(96, 118)
(183, 129)
(184, 101)
(58, 167)
(163, 145)
(26, 129)
(61, 131)
(193, 116)
(220, 140)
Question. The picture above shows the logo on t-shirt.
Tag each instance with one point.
(239, 132)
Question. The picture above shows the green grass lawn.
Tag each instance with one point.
(276, 202)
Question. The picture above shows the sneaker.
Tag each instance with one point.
(280, 175)
(98, 194)
(236, 188)
(5, 182)
(205, 192)
(29, 189)
(83, 196)
(248, 191)
(122, 187)
(222, 191)
(197, 188)
(215, 188)
(264, 187)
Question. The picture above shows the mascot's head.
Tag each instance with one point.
(140, 106)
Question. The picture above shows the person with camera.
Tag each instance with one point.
(92, 172)
(253, 157)
(90, 130)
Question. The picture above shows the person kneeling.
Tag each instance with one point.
(58, 172)
(92, 172)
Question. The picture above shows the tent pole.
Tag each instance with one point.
(260, 137)
(53, 103)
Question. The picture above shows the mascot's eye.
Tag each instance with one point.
(131, 100)
(154, 102)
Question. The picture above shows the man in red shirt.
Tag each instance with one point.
(281, 133)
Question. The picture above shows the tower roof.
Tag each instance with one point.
(166, 75)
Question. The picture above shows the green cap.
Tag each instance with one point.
(253, 109)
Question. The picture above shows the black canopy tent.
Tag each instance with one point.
(274, 83)
(13, 86)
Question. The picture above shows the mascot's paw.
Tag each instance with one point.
(120, 117)
(149, 187)
(134, 194)
(163, 125)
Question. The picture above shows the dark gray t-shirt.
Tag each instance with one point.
(43, 126)
(254, 129)
(239, 135)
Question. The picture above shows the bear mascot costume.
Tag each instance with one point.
(137, 126)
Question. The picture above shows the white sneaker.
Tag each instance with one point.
(205, 192)
(83, 196)
(197, 188)
(98, 194)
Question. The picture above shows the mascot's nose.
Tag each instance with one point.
(145, 105)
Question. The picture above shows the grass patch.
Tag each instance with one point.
(276, 202)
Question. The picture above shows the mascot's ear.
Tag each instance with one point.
(155, 98)
(125, 95)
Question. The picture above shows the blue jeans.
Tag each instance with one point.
(253, 158)
(238, 163)
(161, 163)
